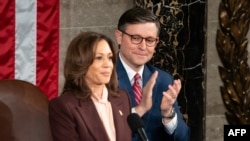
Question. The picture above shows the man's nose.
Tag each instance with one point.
(143, 44)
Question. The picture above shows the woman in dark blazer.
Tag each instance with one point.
(90, 108)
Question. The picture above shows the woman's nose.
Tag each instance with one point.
(108, 62)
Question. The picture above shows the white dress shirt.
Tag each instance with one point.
(170, 126)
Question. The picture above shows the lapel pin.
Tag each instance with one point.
(120, 112)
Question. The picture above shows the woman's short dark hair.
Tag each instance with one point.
(80, 55)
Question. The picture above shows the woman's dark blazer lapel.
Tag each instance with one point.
(92, 119)
(94, 123)
(118, 116)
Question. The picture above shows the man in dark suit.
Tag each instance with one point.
(137, 36)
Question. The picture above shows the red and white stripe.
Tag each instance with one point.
(137, 88)
(29, 42)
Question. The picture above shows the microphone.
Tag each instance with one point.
(136, 125)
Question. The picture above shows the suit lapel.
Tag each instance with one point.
(147, 73)
(90, 116)
(124, 82)
(118, 116)
(94, 123)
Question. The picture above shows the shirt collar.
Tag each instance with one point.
(104, 98)
(131, 73)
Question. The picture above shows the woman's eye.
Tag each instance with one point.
(110, 57)
(98, 57)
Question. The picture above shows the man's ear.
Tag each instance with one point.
(118, 36)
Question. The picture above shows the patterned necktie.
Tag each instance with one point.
(137, 88)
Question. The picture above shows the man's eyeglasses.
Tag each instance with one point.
(137, 39)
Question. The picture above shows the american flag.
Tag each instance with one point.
(29, 42)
